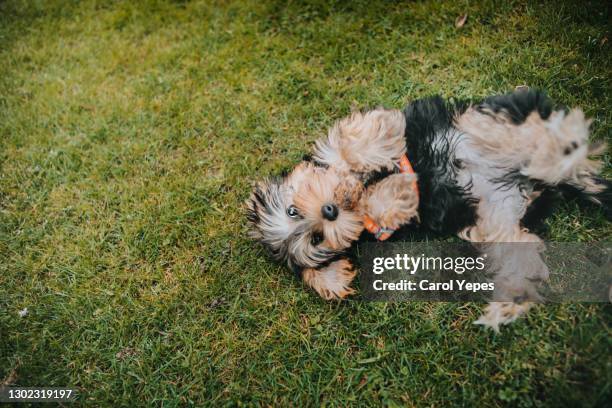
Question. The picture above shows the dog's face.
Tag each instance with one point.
(308, 217)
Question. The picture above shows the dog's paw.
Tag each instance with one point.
(500, 313)
(332, 281)
(393, 201)
(571, 131)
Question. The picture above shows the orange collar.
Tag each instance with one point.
(379, 232)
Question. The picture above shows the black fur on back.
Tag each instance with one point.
(444, 206)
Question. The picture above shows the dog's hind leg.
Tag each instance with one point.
(550, 147)
(513, 253)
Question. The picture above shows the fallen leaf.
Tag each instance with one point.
(23, 312)
(460, 21)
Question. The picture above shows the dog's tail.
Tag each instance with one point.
(598, 193)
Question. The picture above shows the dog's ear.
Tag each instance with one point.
(256, 205)
(253, 206)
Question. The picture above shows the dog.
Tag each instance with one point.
(484, 171)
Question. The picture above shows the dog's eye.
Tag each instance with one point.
(316, 238)
(292, 211)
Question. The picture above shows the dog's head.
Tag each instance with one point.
(308, 217)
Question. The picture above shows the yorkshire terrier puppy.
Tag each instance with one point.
(485, 171)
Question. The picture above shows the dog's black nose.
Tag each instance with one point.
(329, 211)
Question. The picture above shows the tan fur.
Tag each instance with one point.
(333, 281)
(364, 142)
(348, 193)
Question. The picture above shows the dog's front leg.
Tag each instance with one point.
(364, 142)
(392, 202)
(332, 281)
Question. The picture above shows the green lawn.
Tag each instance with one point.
(130, 136)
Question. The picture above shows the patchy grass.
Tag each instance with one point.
(129, 136)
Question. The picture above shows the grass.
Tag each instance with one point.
(130, 133)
